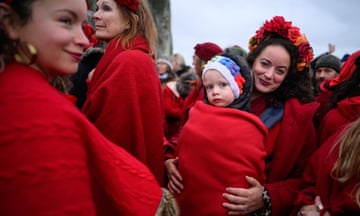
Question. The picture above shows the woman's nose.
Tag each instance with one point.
(82, 39)
(269, 73)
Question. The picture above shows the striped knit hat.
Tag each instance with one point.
(230, 70)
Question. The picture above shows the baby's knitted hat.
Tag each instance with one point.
(229, 69)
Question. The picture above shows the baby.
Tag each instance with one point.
(221, 143)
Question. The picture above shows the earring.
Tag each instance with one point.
(26, 53)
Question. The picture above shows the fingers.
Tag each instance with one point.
(244, 199)
(252, 181)
(318, 204)
(236, 204)
(236, 209)
(175, 179)
(308, 210)
(176, 182)
(173, 188)
(234, 198)
(175, 174)
(236, 191)
(234, 213)
(326, 213)
(171, 168)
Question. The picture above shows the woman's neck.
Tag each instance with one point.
(255, 94)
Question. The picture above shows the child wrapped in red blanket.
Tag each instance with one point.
(221, 142)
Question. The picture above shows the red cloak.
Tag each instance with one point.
(337, 198)
(347, 110)
(293, 145)
(125, 103)
(53, 161)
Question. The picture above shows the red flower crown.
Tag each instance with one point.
(279, 26)
(131, 4)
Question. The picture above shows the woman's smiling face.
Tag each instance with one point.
(270, 68)
(55, 30)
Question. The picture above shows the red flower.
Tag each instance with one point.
(279, 26)
(88, 30)
(293, 34)
(304, 49)
(90, 34)
(131, 4)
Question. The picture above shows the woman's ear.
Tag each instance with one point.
(9, 21)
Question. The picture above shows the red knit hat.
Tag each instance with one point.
(206, 51)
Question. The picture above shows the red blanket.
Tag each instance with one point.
(53, 161)
(217, 148)
(125, 103)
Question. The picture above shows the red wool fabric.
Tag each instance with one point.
(53, 161)
(347, 110)
(291, 152)
(172, 108)
(125, 103)
(337, 198)
(196, 94)
(217, 148)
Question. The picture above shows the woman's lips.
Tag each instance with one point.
(76, 56)
(264, 83)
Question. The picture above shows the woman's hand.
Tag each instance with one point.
(313, 210)
(308, 210)
(175, 179)
(243, 201)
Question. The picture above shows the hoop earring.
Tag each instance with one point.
(26, 53)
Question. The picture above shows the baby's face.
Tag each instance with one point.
(218, 89)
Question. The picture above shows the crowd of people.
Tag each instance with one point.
(94, 122)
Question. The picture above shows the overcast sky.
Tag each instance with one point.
(230, 22)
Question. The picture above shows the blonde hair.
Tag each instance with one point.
(179, 60)
(141, 22)
(347, 166)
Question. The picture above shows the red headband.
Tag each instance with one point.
(131, 4)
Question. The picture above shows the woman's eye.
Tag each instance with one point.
(281, 71)
(67, 21)
(106, 8)
(263, 63)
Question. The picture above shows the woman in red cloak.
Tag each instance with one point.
(53, 161)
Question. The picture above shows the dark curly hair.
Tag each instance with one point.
(348, 88)
(297, 84)
(22, 12)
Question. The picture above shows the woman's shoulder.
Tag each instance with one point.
(134, 55)
(297, 108)
(37, 101)
(133, 59)
(297, 104)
